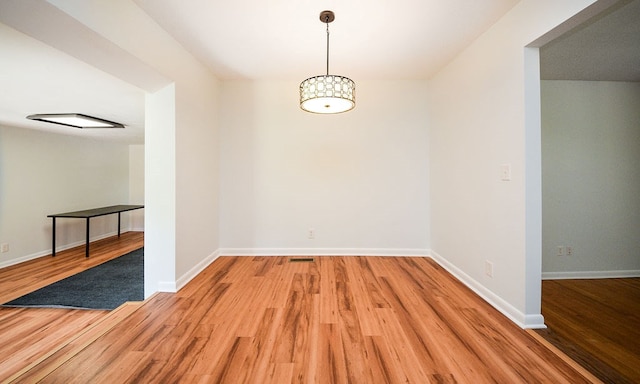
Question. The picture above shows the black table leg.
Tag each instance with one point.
(118, 224)
(53, 238)
(86, 252)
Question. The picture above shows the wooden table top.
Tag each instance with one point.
(98, 211)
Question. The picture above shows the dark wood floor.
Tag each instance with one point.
(596, 323)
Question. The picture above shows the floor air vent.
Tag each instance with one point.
(301, 260)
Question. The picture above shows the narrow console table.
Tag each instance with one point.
(88, 214)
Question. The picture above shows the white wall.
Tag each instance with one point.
(136, 186)
(197, 156)
(362, 180)
(160, 187)
(359, 179)
(591, 178)
(181, 160)
(478, 118)
(42, 174)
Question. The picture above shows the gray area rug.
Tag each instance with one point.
(106, 286)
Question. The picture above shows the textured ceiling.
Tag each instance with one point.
(607, 48)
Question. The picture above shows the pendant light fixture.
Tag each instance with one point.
(327, 93)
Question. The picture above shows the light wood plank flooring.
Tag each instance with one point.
(333, 320)
(28, 334)
(597, 323)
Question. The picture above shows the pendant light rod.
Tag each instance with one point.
(327, 17)
(327, 48)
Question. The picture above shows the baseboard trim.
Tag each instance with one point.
(193, 272)
(590, 275)
(22, 259)
(324, 252)
(167, 286)
(522, 320)
(60, 248)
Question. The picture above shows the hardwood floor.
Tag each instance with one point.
(333, 320)
(20, 279)
(29, 334)
(597, 323)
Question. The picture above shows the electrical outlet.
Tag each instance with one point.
(505, 172)
(560, 251)
(311, 234)
(4, 247)
(488, 268)
(569, 251)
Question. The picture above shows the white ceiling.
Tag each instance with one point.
(249, 39)
(284, 39)
(36, 78)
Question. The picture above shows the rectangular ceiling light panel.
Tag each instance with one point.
(76, 120)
